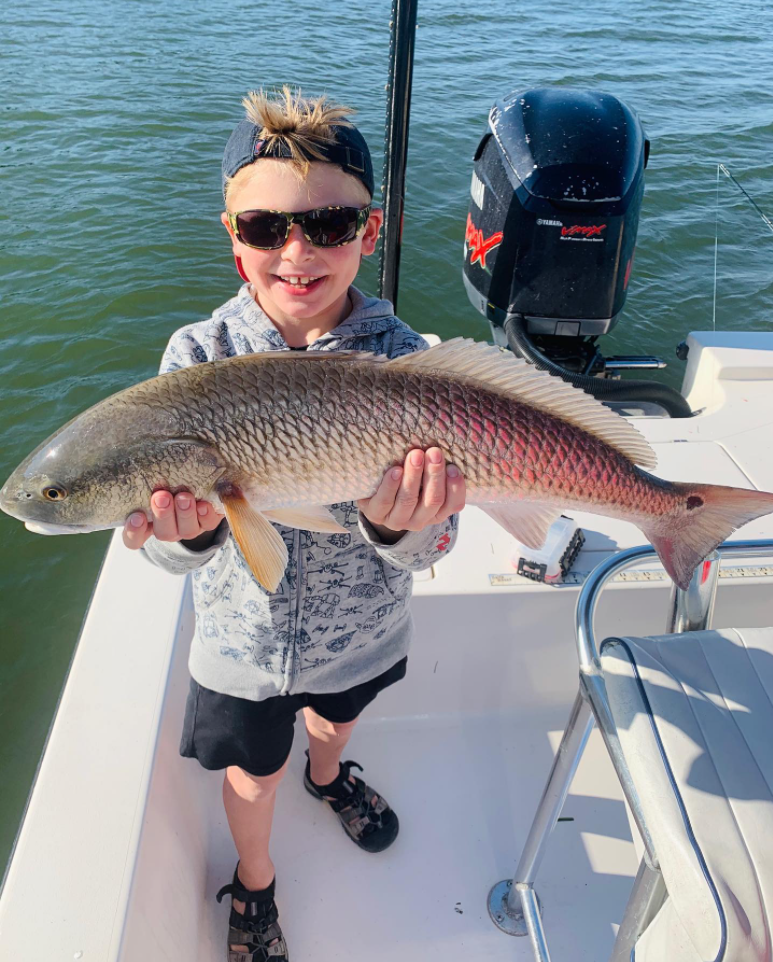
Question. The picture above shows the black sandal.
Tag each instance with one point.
(364, 814)
(258, 929)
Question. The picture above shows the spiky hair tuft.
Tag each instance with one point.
(301, 123)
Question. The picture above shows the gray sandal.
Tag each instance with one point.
(258, 929)
(364, 814)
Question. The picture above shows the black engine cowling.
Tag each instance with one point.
(551, 228)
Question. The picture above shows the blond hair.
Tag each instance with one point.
(299, 123)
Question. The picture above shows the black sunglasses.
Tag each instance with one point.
(268, 230)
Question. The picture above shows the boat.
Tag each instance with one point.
(523, 826)
(125, 843)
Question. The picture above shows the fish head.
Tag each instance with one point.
(104, 465)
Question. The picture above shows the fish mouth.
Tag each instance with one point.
(44, 527)
(21, 511)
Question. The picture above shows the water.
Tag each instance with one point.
(112, 127)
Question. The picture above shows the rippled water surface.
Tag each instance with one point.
(112, 124)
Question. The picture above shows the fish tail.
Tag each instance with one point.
(705, 516)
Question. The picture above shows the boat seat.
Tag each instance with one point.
(694, 716)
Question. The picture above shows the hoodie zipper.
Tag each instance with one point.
(298, 587)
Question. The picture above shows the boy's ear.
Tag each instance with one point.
(234, 242)
(371, 232)
(224, 222)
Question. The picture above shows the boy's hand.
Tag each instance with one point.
(425, 491)
(178, 518)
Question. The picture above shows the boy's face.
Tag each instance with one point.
(322, 304)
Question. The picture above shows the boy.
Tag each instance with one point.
(337, 629)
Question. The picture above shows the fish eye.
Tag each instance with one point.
(54, 492)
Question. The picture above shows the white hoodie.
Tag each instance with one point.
(340, 615)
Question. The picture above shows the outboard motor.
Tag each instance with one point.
(551, 229)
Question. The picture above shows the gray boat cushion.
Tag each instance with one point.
(694, 713)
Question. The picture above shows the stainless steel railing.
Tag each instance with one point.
(513, 903)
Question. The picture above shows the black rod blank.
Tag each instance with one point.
(401, 47)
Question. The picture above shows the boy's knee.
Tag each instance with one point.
(323, 726)
(253, 787)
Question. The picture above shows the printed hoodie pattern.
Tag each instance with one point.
(340, 615)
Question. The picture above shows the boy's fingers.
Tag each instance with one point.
(175, 518)
(164, 520)
(407, 496)
(456, 493)
(136, 531)
(187, 516)
(377, 508)
(433, 490)
(208, 518)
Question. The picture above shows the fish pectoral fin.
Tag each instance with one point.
(307, 517)
(261, 544)
(527, 521)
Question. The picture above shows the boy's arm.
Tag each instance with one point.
(414, 550)
(180, 557)
(412, 519)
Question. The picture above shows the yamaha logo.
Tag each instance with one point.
(548, 223)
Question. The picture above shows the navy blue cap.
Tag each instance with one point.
(349, 152)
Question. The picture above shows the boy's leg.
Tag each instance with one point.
(363, 813)
(241, 736)
(249, 804)
(327, 741)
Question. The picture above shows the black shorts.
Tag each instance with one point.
(221, 730)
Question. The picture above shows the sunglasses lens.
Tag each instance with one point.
(262, 228)
(329, 227)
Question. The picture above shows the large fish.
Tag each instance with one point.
(277, 436)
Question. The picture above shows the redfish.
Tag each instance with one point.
(277, 436)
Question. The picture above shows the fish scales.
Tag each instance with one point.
(495, 441)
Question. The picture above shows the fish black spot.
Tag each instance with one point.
(694, 502)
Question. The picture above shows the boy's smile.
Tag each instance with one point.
(302, 288)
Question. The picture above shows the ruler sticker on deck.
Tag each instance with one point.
(497, 581)
(634, 575)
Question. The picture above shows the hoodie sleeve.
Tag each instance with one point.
(175, 557)
(183, 350)
(416, 550)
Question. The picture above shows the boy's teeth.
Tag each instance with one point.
(303, 281)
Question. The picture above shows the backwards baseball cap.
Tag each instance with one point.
(349, 151)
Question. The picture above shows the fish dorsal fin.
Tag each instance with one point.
(501, 371)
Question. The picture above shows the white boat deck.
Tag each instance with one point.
(461, 749)
(466, 791)
(125, 843)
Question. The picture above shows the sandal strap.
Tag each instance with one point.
(257, 924)
(229, 889)
(357, 809)
(236, 890)
(243, 932)
(348, 766)
(256, 951)
(257, 928)
(360, 808)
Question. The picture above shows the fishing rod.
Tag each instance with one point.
(765, 219)
(401, 47)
